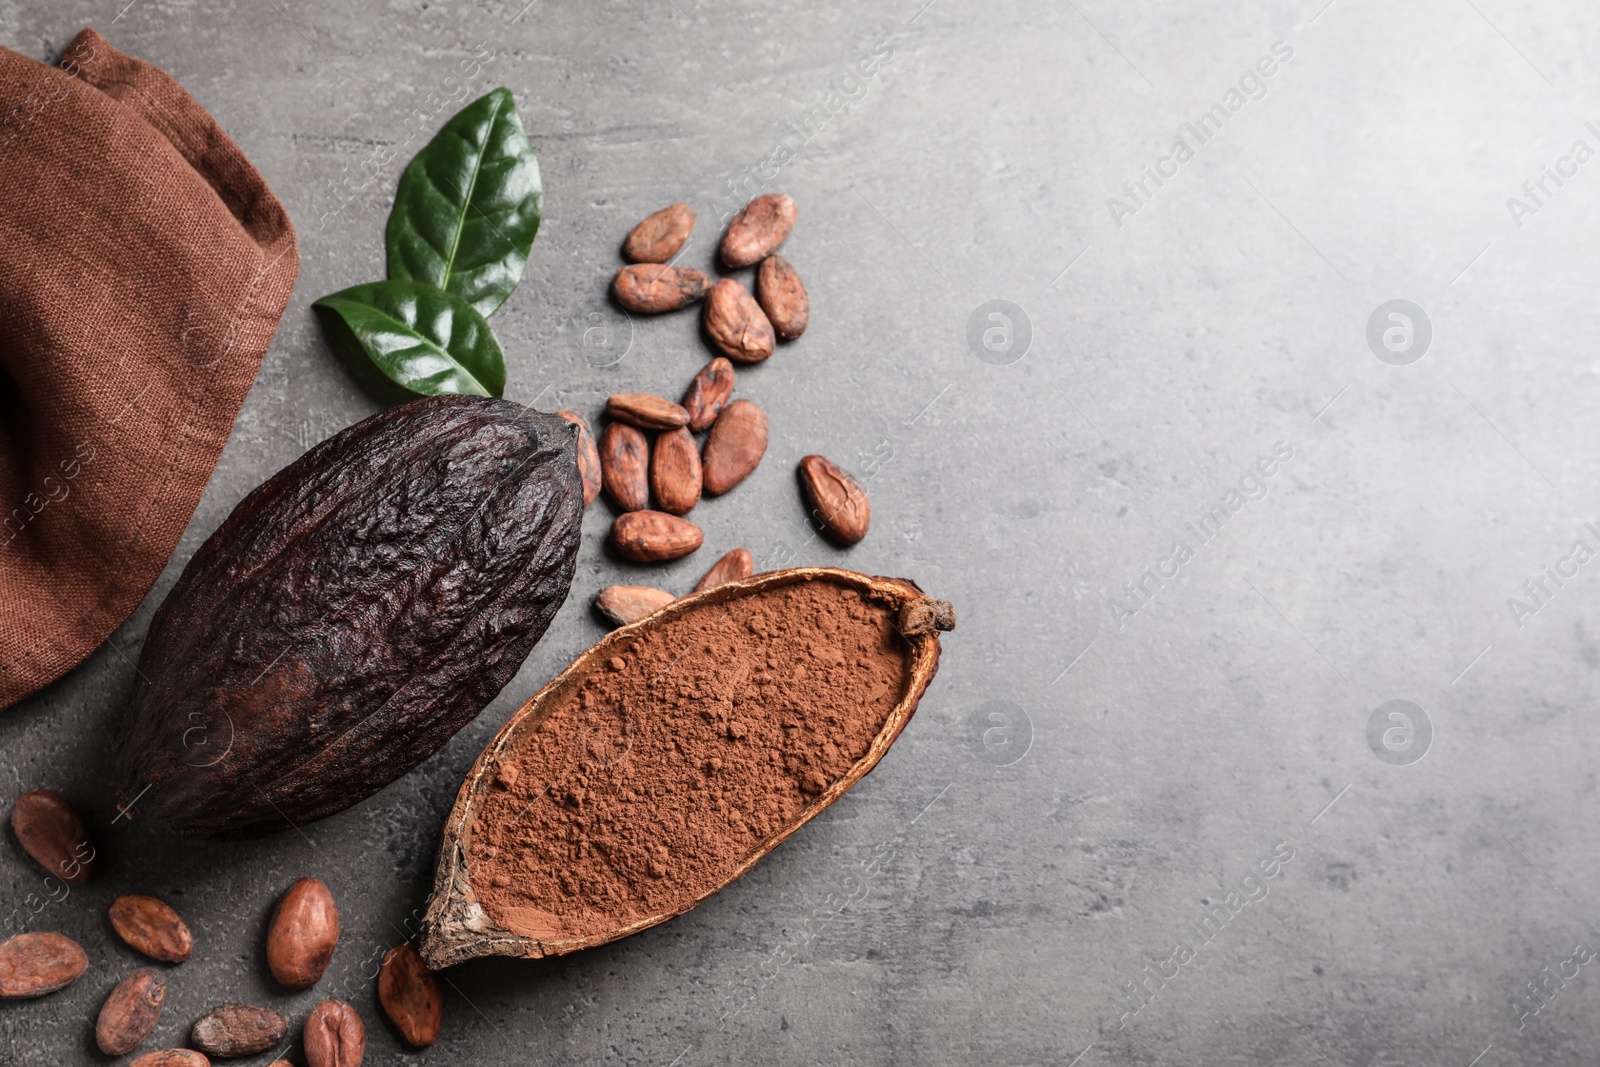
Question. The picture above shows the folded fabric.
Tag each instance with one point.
(143, 267)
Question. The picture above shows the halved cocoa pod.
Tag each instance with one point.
(738, 441)
(646, 411)
(709, 393)
(623, 604)
(151, 927)
(675, 472)
(515, 876)
(625, 466)
(660, 236)
(50, 830)
(649, 288)
(734, 567)
(654, 536)
(32, 965)
(588, 456)
(758, 228)
(736, 324)
(783, 297)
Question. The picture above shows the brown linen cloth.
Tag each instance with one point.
(143, 267)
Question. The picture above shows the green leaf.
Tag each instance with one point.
(468, 205)
(423, 339)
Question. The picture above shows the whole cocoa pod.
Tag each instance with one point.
(409, 995)
(302, 934)
(130, 1012)
(654, 536)
(351, 615)
(334, 1036)
(50, 830)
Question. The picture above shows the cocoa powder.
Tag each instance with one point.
(655, 779)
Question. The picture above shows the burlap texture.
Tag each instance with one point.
(143, 267)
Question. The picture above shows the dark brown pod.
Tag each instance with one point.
(32, 965)
(238, 1030)
(588, 456)
(838, 503)
(50, 830)
(758, 228)
(625, 466)
(649, 288)
(303, 934)
(654, 536)
(735, 566)
(660, 236)
(130, 1013)
(334, 1036)
(410, 996)
(736, 324)
(738, 441)
(302, 663)
(708, 393)
(675, 472)
(783, 297)
(646, 411)
(149, 926)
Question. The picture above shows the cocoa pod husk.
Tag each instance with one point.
(675, 472)
(150, 927)
(783, 297)
(302, 934)
(650, 288)
(334, 1036)
(659, 236)
(758, 228)
(737, 442)
(654, 536)
(180, 1057)
(410, 996)
(130, 1012)
(588, 456)
(646, 411)
(624, 604)
(708, 393)
(457, 926)
(32, 965)
(50, 830)
(625, 466)
(838, 503)
(238, 1030)
(733, 567)
(736, 324)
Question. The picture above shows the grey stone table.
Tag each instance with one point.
(1207, 499)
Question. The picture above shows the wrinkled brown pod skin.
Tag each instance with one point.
(351, 615)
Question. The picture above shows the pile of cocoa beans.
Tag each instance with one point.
(300, 941)
(656, 458)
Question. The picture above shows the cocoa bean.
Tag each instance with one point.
(588, 456)
(645, 411)
(624, 604)
(783, 297)
(660, 236)
(708, 393)
(736, 324)
(130, 1012)
(49, 829)
(302, 934)
(649, 288)
(410, 996)
(730, 568)
(838, 503)
(334, 1036)
(32, 965)
(758, 228)
(654, 536)
(625, 466)
(178, 1057)
(738, 441)
(675, 472)
(150, 927)
(238, 1030)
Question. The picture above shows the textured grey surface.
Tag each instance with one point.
(953, 910)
